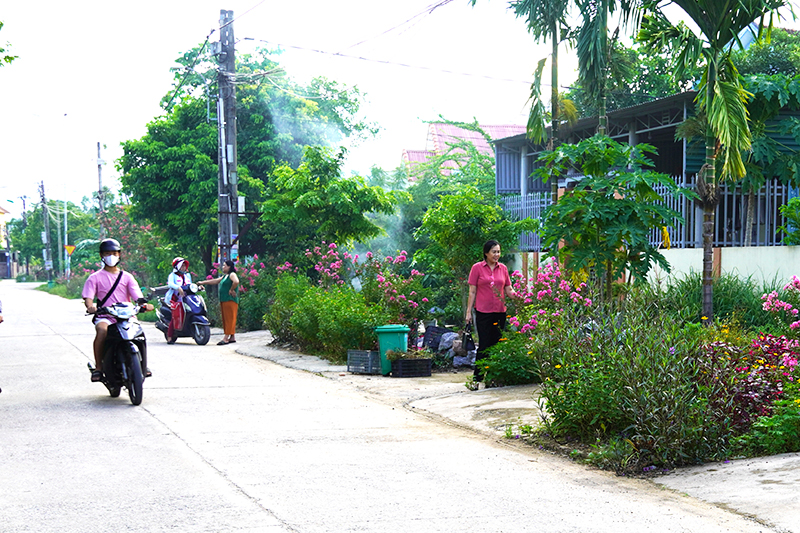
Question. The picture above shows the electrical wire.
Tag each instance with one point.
(188, 70)
(386, 62)
(427, 11)
(292, 93)
(243, 14)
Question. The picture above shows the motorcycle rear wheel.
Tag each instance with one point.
(201, 333)
(135, 380)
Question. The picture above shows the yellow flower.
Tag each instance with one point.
(558, 366)
(703, 318)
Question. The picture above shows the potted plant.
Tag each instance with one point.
(410, 363)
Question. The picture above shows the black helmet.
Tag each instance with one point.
(109, 245)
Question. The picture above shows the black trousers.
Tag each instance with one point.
(490, 329)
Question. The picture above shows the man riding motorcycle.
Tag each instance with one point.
(110, 285)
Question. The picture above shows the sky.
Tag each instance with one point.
(94, 71)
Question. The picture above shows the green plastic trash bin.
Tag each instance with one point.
(391, 337)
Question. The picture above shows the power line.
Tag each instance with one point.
(386, 62)
(240, 16)
(427, 11)
(188, 70)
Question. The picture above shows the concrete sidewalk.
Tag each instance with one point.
(765, 489)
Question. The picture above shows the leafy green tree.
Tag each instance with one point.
(604, 224)
(172, 180)
(170, 174)
(638, 75)
(791, 230)
(5, 57)
(779, 55)
(769, 158)
(26, 232)
(459, 164)
(721, 96)
(146, 253)
(456, 228)
(314, 203)
(459, 224)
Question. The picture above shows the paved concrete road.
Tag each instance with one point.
(224, 442)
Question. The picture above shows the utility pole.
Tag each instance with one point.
(48, 260)
(61, 263)
(66, 242)
(25, 225)
(100, 190)
(226, 122)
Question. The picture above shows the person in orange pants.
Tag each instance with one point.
(228, 299)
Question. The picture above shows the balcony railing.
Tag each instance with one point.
(730, 218)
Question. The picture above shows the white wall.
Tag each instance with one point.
(762, 263)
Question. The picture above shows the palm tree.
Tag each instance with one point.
(546, 19)
(594, 46)
(720, 97)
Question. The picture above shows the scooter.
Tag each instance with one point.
(124, 353)
(195, 323)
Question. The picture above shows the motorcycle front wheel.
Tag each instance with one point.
(135, 379)
(201, 333)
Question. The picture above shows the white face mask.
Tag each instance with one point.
(111, 260)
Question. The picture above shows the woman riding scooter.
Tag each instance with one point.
(177, 279)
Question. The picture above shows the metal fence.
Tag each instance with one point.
(731, 216)
(528, 206)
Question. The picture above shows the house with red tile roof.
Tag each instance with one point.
(443, 136)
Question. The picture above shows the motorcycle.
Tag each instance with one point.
(195, 322)
(124, 353)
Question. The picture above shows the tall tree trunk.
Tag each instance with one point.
(708, 178)
(208, 259)
(709, 215)
(554, 141)
(748, 225)
(602, 116)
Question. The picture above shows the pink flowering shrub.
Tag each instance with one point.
(401, 296)
(544, 301)
(785, 304)
(248, 270)
(256, 285)
(356, 296)
(547, 312)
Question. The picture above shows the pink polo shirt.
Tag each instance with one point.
(490, 293)
(99, 283)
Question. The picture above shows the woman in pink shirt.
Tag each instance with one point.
(489, 284)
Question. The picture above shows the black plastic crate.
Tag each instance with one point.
(364, 361)
(411, 368)
(432, 337)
